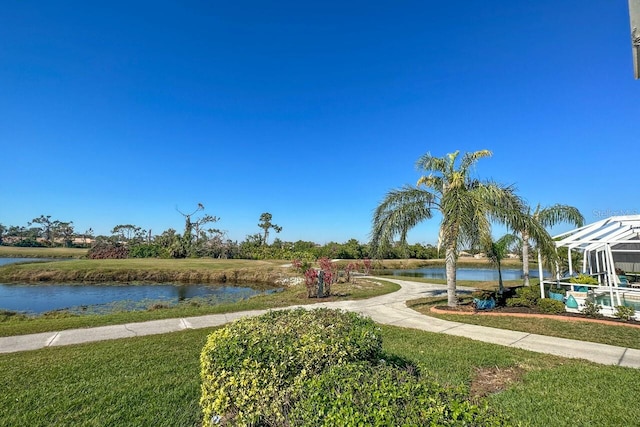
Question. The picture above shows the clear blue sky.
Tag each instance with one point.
(119, 112)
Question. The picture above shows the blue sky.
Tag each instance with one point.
(122, 112)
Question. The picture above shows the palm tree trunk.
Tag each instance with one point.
(450, 266)
(500, 285)
(525, 258)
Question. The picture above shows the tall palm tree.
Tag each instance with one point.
(497, 251)
(546, 217)
(467, 206)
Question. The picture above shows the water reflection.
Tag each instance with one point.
(463, 273)
(7, 261)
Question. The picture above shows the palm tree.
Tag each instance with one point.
(467, 206)
(497, 251)
(546, 217)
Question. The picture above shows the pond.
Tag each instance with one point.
(464, 273)
(103, 298)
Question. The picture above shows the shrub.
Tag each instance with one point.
(550, 306)
(365, 395)
(251, 368)
(584, 279)
(311, 282)
(148, 250)
(591, 309)
(526, 296)
(107, 250)
(624, 312)
(484, 295)
(517, 302)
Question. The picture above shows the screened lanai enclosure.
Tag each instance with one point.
(608, 251)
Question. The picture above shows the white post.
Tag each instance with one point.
(613, 277)
(540, 274)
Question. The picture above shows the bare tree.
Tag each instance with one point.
(191, 226)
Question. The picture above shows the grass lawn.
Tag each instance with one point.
(155, 381)
(618, 335)
(16, 252)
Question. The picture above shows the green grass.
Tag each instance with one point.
(547, 391)
(614, 334)
(294, 295)
(16, 252)
(154, 380)
(135, 382)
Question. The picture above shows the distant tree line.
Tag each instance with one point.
(44, 231)
(198, 239)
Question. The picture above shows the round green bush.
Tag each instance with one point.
(252, 369)
(365, 395)
(550, 306)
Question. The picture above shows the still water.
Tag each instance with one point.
(462, 273)
(110, 297)
(6, 261)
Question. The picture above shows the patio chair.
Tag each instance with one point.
(624, 282)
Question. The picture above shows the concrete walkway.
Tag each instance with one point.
(387, 309)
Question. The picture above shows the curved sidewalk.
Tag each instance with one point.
(389, 309)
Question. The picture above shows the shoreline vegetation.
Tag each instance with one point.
(146, 270)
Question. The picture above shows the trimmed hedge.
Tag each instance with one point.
(252, 369)
(365, 395)
(550, 306)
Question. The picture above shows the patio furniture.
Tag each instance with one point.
(624, 282)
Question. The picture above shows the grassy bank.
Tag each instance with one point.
(292, 295)
(15, 252)
(155, 381)
(199, 270)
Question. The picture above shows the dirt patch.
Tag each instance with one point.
(487, 381)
